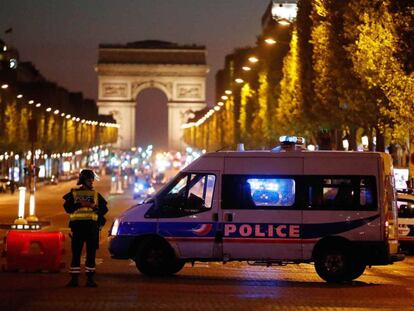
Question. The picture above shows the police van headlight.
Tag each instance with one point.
(115, 227)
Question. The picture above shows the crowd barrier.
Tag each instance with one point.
(34, 251)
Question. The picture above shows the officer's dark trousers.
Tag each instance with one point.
(85, 231)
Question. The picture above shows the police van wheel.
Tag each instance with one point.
(356, 270)
(332, 265)
(176, 266)
(155, 258)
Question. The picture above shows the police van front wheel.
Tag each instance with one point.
(155, 258)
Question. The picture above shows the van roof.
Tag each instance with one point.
(363, 160)
(293, 154)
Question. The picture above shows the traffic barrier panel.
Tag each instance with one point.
(34, 251)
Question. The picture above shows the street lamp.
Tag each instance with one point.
(270, 41)
(253, 59)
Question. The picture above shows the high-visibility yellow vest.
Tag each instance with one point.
(84, 213)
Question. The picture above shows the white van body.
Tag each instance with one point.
(287, 214)
(405, 204)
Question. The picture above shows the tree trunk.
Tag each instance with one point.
(380, 140)
(352, 139)
(338, 139)
(324, 140)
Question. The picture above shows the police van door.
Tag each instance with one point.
(188, 214)
(261, 213)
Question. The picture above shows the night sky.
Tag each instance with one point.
(61, 37)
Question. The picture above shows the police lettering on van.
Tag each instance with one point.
(262, 230)
(286, 205)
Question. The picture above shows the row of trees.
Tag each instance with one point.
(22, 124)
(344, 69)
(36, 113)
(49, 132)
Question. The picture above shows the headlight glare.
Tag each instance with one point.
(115, 226)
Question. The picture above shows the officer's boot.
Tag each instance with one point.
(73, 281)
(90, 281)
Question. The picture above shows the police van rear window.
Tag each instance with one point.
(340, 192)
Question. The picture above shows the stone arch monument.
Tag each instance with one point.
(179, 71)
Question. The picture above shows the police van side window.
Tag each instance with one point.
(258, 192)
(405, 208)
(188, 194)
(341, 192)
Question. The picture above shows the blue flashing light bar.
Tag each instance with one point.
(285, 139)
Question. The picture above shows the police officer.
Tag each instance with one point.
(86, 208)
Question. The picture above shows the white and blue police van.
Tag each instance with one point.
(405, 204)
(286, 205)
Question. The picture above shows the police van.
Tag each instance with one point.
(405, 204)
(286, 205)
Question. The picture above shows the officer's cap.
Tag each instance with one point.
(86, 174)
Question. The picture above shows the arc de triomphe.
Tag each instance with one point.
(125, 70)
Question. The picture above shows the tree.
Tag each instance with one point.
(375, 61)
